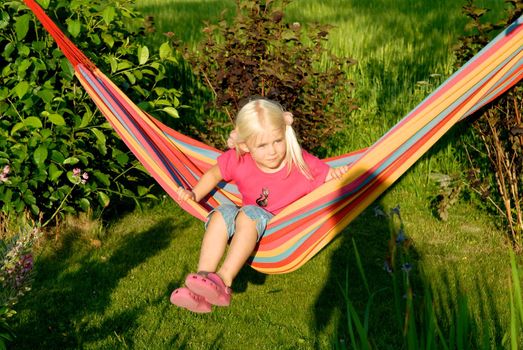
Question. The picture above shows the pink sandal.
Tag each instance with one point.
(183, 297)
(211, 288)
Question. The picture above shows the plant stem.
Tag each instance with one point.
(59, 207)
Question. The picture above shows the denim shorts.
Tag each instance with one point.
(230, 211)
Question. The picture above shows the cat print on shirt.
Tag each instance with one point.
(264, 198)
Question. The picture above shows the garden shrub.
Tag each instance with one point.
(57, 153)
(497, 157)
(257, 54)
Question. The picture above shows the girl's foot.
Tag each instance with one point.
(185, 298)
(210, 287)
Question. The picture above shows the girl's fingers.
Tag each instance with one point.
(338, 172)
(183, 194)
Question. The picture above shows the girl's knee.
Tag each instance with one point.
(217, 223)
(216, 216)
(245, 223)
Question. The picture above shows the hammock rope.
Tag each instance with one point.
(302, 229)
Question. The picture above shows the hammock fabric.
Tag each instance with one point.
(303, 228)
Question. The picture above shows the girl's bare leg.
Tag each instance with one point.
(242, 245)
(213, 244)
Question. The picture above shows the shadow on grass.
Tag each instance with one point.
(371, 235)
(69, 291)
(467, 313)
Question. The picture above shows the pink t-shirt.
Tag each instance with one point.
(275, 190)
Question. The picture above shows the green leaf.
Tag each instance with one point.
(67, 67)
(4, 20)
(57, 156)
(74, 27)
(100, 137)
(71, 161)
(162, 102)
(29, 198)
(46, 95)
(34, 209)
(138, 74)
(165, 50)
(4, 93)
(84, 204)
(40, 155)
(46, 133)
(124, 64)
(171, 111)
(44, 3)
(56, 119)
(108, 14)
(22, 68)
(103, 199)
(54, 172)
(21, 88)
(120, 157)
(8, 50)
(73, 179)
(19, 206)
(143, 54)
(108, 39)
(8, 195)
(103, 178)
(23, 50)
(22, 26)
(139, 166)
(142, 191)
(130, 76)
(39, 45)
(95, 39)
(141, 91)
(100, 140)
(86, 119)
(114, 64)
(33, 122)
(17, 127)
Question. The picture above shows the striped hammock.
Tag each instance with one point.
(297, 233)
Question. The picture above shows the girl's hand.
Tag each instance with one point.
(336, 173)
(184, 194)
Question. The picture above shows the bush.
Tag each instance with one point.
(57, 153)
(497, 160)
(259, 54)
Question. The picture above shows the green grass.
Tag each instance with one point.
(116, 295)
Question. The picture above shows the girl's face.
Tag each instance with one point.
(268, 149)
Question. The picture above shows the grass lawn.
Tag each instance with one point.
(108, 287)
(115, 295)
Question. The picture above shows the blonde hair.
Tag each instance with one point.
(259, 114)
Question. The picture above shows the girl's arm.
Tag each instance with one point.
(336, 173)
(207, 183)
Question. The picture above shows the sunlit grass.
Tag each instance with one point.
(184, 18)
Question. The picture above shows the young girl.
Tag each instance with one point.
(271, 171)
